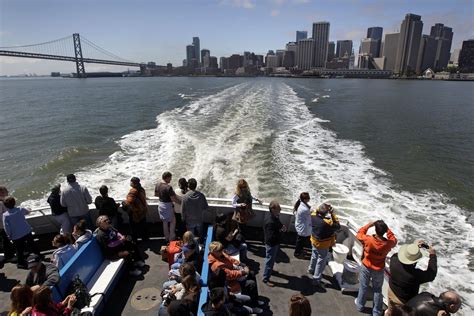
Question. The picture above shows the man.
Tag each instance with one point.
(405, 278)
(7, 245)
(426, 304)
(215, 306)
(376, 248)
(323, 236)
(76, 198)
(107, 205)
(272, 229)
(167, 196)
(193, 206)
(41, 273)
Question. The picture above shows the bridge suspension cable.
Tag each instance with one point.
(96, 47)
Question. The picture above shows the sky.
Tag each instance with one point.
(158, 30)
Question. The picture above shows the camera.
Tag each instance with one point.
(424, 245)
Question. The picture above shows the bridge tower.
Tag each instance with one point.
(81, 71)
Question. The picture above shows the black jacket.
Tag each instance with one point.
(209, 311)
(271, 229)
(48, 275)
(56, 207)
(426, 304)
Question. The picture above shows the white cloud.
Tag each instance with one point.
(274, 12)
(246, 4)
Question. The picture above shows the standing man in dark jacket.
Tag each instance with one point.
(405, 278)
(193, 206)
(41, 273)
(59, 212)
(272, 229)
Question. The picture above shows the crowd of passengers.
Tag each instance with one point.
(232, 284)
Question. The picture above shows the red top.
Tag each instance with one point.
(375, 248)
(55, 309)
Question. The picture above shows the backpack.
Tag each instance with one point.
(79, 289)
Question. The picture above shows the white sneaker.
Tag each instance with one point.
(257, 310)
(135, 273)
(139, 264)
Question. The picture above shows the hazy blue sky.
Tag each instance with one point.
(146, 30)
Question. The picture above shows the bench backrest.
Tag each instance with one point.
(84, 263)
(205, 265)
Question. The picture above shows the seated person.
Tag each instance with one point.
(238, 276)
(188, 254)
(81, 234)
(176, 275)
(41, 273)
(43, 304)
(426, 304)
(64, 252)
(230, 237)
(216, 304)
(178, 308)
(114, 246)
(187, 290)
(21, 298)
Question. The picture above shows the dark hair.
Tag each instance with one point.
(20, 297)
(187, 269)
(303, 196)
(183, 185)
(9, 202)
(103, 190)
(81, 225)
(274, 205)
(221, 219)
(178, 308)
(166, 175)
(217, 278)
(380, 227)
(71, 178)
(217, 295)
(299, 305)
(62, 240)
(56, 189)
(42, 298)
(192, 183)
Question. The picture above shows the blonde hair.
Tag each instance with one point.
(215, 246)
(242, 184)
(188, 237)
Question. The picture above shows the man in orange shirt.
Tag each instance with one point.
(376, 248)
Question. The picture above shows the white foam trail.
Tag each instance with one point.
(326, 96)
(315, 100)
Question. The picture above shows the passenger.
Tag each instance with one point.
(239, 277)
(405, 278)
(76, 198)
(21, 299)
(43, 304)
(324, 226)
(59, 212)
(190, 254)
(115, 245)
(242, 202)
(400, 310)
(299, 305)
(179, 308)
(376, 248)
(136, 207)
(272, 230)
(180, 225)
(231, 239)
(193, 206)
(107, 205)
(184, 270)
(216, 304)
(187, 290)
(302, 212)
(8, 248)
(165, 192)
(426, 304)
(81, 234)
(18, 230)
(64, 252)
(41, 273)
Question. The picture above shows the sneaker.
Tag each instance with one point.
(357, 306)
(139, 264)
(135, 273)
(260, 303)
(257, 310)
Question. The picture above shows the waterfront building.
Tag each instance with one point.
(289, 59)
(213, 62)
(197, 49)
(426, 54)
(301, 35)
(190, 51)
(235, 61)
(338, 63)
(455, 56)
(466, 56)
(375, 33)
(321, 41)
(259, 60)
(444, 38)
(224, 63)
(305, 54)
(271, 61)
(204, 52)
(390, 50)
(408, 45)
(369, 46)
(331, 47)
(279, 54)
(343, 47)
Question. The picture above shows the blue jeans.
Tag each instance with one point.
(365, 275)
(196, 229)
(270, 256)
(318, 262)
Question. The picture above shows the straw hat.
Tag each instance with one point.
(409, 254)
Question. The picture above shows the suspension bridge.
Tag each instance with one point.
(70, 48)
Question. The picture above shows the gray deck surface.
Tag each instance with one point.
(291, 279)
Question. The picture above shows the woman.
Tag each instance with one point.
(187, 290)
(299, 305)
(231, 239)
(167, 196)
(59, 212)
(43, 304)
(81, 234)
(64, 252)
(21, 298)
(302, 212)
(137, 207)
(242, 202)
(180, 225)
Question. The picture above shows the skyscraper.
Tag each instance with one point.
(300, 35)
(369, 46)
(343, 47)
(331, 47)
(190, 51)
(426, 54)
(204, 52)
(444, 37)
(390, 50)
(197, 49)
(466, 56)
(321, 41)
(305, 54)
(408, 44)
(375, 32)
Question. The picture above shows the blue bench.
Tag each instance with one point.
(96, 272)
(205, 271)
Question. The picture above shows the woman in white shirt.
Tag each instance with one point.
(302, 212)
(180, 225)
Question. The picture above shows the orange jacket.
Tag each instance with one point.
(375, 249)
(227, 264)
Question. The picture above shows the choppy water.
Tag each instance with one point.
(398, 150)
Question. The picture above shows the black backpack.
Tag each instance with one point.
(78, 288)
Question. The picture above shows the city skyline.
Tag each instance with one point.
(142, 42)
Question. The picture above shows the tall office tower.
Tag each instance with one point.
(197, 49)
(376, 34)
(271, 61)
(301, 35)
(321, 41)
(343, 47)
(204, 52)
(466, 56)
(331, 47)
(369, 46)
(390, 47)
(444, 38)
(213, 62)
(190, 51)
(426, 54)
(247, 61)
(305, 54)
(224, 63)
(279, 54)
(288, 59)
(408, 44)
